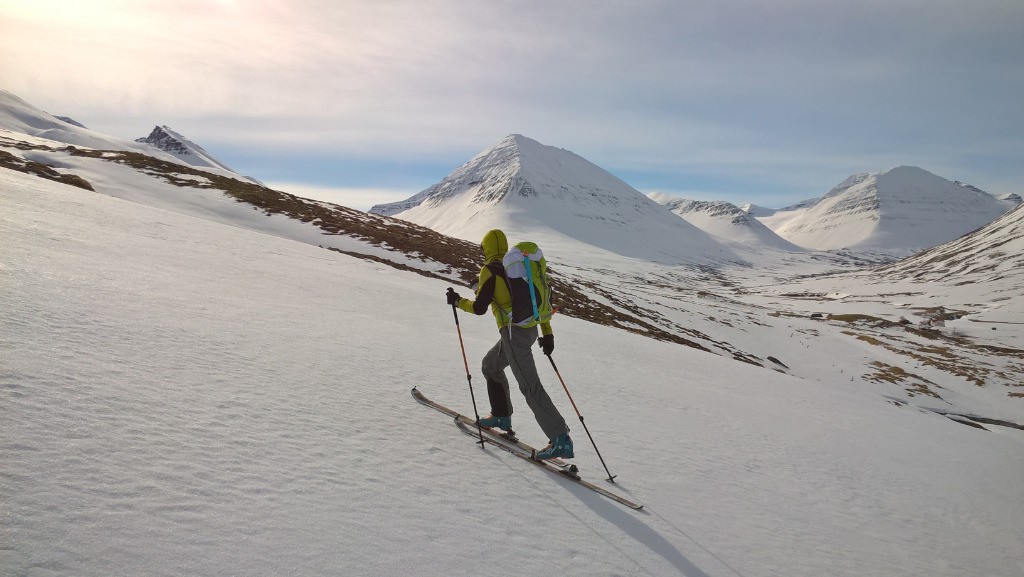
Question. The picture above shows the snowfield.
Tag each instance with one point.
(179, 396)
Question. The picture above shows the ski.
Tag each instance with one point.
(520, 449)
(488, 432)
(497, 439)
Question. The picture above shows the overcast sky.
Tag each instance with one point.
(757, 101)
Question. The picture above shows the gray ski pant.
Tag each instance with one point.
(515, 350)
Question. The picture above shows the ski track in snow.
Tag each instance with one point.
(179, 397)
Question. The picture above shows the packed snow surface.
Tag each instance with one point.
(183, 397)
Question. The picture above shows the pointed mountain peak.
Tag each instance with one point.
(167, 140)
(494, 174)
(517, 141)
(171, 142)
(535, 191)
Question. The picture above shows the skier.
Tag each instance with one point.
(513, 350)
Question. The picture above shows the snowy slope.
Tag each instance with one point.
(18, 117)
(899, 211)
(990, 257)
(71, 121)
(552, 195)
(181, 397)
(954, 310)
(239, 202)
(725, 221)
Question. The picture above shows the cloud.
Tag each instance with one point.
(754, 92)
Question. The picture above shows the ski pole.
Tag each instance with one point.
(611, 478)
(469, 377)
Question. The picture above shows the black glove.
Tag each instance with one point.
(453, 297)
(547, 344)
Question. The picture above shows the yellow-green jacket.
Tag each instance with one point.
(492, 290)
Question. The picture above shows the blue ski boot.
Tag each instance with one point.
(561, 447)
(503, 423)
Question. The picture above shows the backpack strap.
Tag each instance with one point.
(529, 279)
(497, 269)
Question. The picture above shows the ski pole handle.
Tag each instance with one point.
(455, 312)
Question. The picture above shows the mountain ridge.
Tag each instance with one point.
(725, 221)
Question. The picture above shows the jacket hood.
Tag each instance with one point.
(495, 245)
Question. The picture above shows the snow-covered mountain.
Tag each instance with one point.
(725, 221)
(20, 117)
(899, 211)
(171, 142)
(545, 193)
(1011, 198)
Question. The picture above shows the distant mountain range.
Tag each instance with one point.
(538, 189)
(725, 221)
(550, 193)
